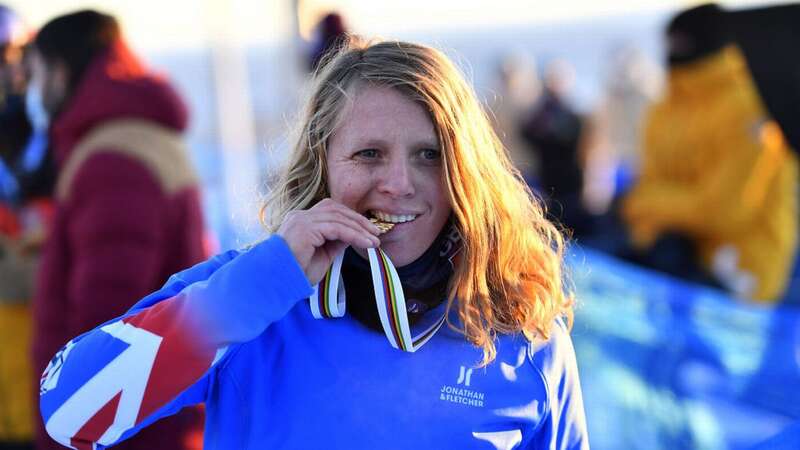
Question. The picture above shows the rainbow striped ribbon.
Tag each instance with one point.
(328, 299)
(389, 298)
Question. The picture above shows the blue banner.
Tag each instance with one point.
(669, 365)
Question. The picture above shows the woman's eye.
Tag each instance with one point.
(431, 154)
(369, 153)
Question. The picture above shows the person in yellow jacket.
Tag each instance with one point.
(716, 169)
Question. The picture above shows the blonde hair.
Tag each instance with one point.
(508, 277)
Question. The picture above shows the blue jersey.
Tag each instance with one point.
(235, 333)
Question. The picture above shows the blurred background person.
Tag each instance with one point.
(716, 199)
(516, 91)
(611, 141)
(26, 183)
(329, 32)
(16, 128)
(610, 145)
(127, 205)
(552, 130)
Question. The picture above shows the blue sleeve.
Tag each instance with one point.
(107, 384)
(564, 425)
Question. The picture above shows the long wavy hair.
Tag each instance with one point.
(509, 275)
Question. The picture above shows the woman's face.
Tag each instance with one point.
(384, 161)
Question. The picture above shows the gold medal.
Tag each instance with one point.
(382, 226)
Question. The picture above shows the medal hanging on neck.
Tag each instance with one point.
(329, 301)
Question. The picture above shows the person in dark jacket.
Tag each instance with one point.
(127, 206)
(330, 32)
(553, 130)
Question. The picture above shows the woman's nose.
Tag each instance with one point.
(397, 179)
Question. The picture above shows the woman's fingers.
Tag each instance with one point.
(334, 206)
(334, 231)
(316, 235)
(363, 234)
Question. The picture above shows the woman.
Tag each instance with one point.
(393, 133)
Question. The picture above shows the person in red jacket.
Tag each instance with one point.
(127, 207)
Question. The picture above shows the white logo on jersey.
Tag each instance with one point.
(459, 393)
(464, 376)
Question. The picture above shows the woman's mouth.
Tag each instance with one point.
(386, 221)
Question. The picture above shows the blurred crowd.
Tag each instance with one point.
(685, 167)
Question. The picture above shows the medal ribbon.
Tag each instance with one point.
(328, 301)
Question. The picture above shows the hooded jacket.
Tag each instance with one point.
(127, 211)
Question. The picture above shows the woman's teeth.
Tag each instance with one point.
(393, 218)
(386, 222)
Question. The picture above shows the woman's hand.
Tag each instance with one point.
(316, 235)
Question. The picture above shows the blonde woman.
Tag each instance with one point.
(410, 295)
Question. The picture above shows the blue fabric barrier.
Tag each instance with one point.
(669, 365)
